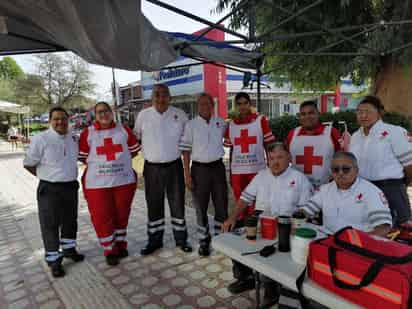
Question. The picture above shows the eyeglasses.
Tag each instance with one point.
(103, 111)
(345, 169)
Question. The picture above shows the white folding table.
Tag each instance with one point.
(279, 267)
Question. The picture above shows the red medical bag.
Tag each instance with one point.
(366, 270)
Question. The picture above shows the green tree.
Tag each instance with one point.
(388, 69)
(9, 69)
(64, 77)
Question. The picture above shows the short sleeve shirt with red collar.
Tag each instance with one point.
(268, 137)
(335, 135)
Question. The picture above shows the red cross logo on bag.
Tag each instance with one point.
(109, 149)
(245, 140)
(309, 160)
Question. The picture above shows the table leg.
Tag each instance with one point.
(257, 289)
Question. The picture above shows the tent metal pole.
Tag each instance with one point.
(116, 112)
(310, 22)
(217, 24)
(293, 16)
(196, 18)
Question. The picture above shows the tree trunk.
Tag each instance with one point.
(393, 85)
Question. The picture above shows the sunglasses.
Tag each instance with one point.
(344, 169)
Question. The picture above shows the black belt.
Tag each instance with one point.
(59, 183)
(163, 164)
(207, 164)
(389, 182)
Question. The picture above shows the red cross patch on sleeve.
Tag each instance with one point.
(408, 136)
(383, 198)
(384, 134)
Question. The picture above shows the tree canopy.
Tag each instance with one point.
(9, 69)
(371, 38)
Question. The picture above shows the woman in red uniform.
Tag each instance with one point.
(109, 181)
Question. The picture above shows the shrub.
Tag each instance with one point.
(282, 125)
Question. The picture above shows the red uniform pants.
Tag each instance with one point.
(239, 183)
(109, 211)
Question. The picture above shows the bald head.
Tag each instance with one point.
(161, 97)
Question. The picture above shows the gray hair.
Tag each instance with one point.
(346, 155)
(164, 86)
(206, 95)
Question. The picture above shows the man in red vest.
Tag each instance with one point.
(248, 136)
(312, 145)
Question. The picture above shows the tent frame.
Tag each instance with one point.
(251, 38)
(338, 33)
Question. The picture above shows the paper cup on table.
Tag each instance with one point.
(297, 222)
(268, 227)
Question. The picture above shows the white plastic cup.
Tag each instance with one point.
(300, 244)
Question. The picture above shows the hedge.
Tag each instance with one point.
(282, 125)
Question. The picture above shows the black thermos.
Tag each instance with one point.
(284, 227)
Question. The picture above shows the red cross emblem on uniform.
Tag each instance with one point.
(245, 140)
(109, 149)
(384, 134)
(309, 160)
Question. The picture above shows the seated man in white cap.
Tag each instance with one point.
(350, 200)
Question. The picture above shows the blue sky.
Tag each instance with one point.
(161, 19)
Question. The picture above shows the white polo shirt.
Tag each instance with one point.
(204, 139)
(383, 153)
(54, 156)
(160, 133)
(279, 195)
(363, 206)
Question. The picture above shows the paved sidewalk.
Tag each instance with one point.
(168, 279)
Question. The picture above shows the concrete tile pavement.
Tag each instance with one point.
(168, 279)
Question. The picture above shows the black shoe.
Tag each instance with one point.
(186, 247)
(204, 250)
(57, 269)
(240, 286)
(150, 248)
(112, 260)
(123, 253)
(73, 255)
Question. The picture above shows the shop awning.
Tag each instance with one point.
(14, 108)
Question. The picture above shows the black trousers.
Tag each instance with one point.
(396, 193)
(57, 203)
(209, 180)
(161, 178)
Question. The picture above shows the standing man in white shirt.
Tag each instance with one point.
(350, 200)
(52, 157)
(384, 153)
(160, 128)
(202, 142)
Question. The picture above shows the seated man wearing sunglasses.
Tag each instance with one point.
(350, 200)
